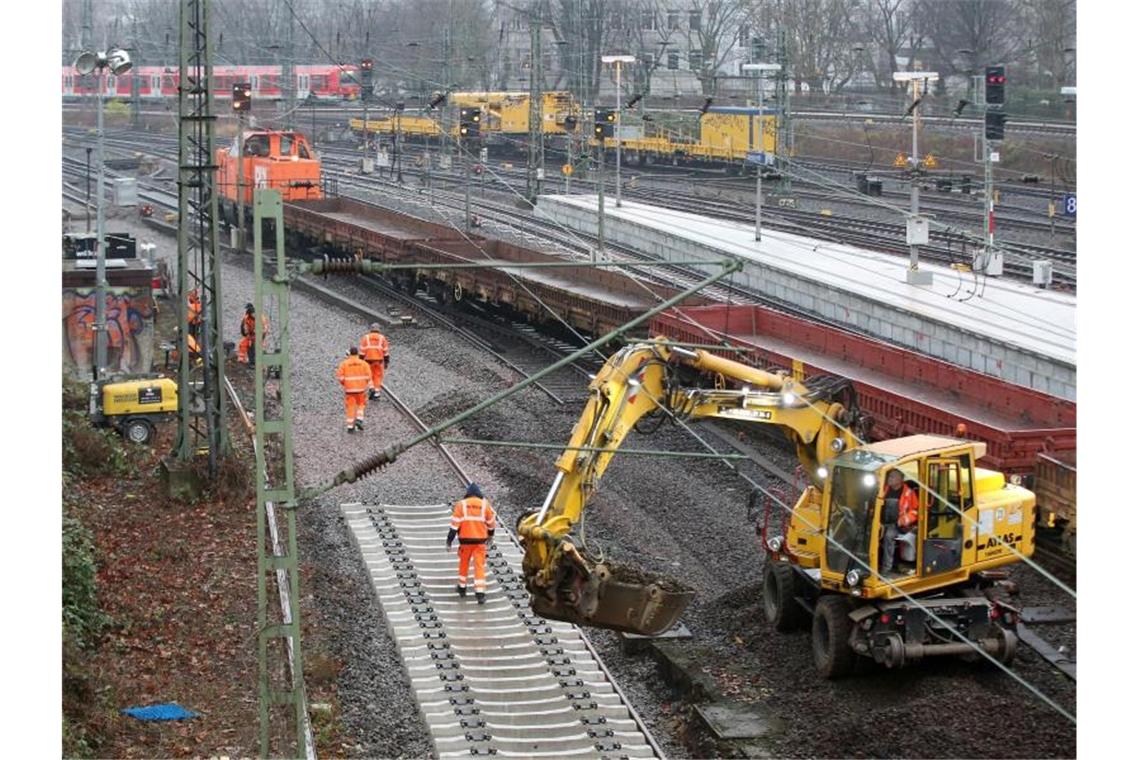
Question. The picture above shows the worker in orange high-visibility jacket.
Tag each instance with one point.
(354, 376)
(194, 312)
(473, 520)
(248, 328)
(374, 349)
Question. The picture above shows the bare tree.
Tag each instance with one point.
(587, 26)
(1049, 54)
(965, 35)
(889, 24)
(645, 33)
(711, 29)
(821, 41)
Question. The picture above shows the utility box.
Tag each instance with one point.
(917, 230)
(1042, 273)
(125, 191)
(992, 265)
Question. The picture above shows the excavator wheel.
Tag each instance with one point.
(780, 605)
(830, 630)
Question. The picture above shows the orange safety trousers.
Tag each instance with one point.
(377, 374)
(245, 349)
(354, 407)
(477, 552)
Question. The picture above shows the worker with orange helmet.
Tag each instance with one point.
(354, 376)
(374, 349)
(248, 328)
(473, 520)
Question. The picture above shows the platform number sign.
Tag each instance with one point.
(1069, 204)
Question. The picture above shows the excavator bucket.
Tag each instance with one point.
(616, 596)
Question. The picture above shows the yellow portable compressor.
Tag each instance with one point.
(134, 406)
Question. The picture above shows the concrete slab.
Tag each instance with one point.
(736, 720)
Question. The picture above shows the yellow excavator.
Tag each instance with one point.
(836, 562)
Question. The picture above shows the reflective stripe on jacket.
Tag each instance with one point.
(354, 374)
(374, 347)
(472, 518)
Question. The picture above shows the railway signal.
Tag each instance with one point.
(604, 122)
(995, 125)
(995, 85)
(469, 122)
(243, 97)
(366, 78)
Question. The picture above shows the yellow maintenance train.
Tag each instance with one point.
(724, 135)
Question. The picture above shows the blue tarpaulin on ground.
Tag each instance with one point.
(169, 711)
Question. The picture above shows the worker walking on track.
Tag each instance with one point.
(374, 349)
(248, 327)
(473, 520)
(354, 377)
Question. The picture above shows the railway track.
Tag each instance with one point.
(524, 351)
(491, 679)
(949, 248)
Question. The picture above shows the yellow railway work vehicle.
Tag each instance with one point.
(727, 135)
(509, 112)
(506, 113)
(835, 562)
(408, 125)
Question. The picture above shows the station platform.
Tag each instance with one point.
(1009, 330)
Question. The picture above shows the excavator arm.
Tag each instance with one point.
(654, 379)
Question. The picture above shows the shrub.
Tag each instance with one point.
(82, 618)
(88, 451)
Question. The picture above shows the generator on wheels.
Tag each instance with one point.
(134, 407)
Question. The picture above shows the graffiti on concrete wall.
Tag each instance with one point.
(130, 329)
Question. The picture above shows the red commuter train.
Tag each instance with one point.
(324, 82)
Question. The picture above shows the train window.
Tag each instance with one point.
(254, 82)
(967, 488)
(347, 78)
(286, 144)
(302, 151)
(257, 145)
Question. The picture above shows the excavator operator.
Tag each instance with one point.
(900, 514)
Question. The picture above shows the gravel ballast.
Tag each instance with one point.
(685, 518)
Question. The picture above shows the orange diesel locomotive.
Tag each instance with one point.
(280, 160)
